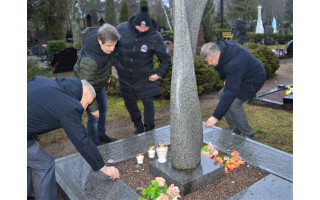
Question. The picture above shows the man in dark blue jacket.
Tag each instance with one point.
(244, 76)
(52, 104)
(135, 66)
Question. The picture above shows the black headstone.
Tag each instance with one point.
(64, 60)
(268, 35)
(290, 48)
(240, 31)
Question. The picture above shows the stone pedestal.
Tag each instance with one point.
(188, 181)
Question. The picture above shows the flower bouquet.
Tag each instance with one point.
(158, 190)
(229, 163)
(289, 91)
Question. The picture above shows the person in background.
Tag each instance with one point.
(52, 104)
(94, 65)
(135, 66)
(244, 77)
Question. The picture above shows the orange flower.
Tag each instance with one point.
(235, 153)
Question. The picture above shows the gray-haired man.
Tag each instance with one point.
(52, 104)
(244, 76)
(94, 65)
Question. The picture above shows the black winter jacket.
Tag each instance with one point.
(94, 65)
(135, 60)
(243, 73)
(54, 104)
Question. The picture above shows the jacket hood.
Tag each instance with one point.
(152, 28)
(72, 85)
(93, 50)
(227, 51)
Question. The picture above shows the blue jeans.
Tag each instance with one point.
(96, 126)
(43, 167)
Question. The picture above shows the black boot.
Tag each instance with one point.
(149, 127)
(107, 139)
(139, 127)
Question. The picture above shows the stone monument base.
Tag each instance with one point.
(188, 181)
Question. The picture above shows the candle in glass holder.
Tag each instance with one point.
(151, 152)
(140, 158)
(162, 150)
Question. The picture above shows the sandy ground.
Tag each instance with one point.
(59, 147)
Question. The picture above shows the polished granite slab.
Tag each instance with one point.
(270, 187)
(77, 181)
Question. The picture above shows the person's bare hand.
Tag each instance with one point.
(154, 77)
(112, 172)
(96, 113)
(211, 122)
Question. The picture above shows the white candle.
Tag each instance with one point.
(140, 158)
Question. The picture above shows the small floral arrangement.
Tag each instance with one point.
(229, 163)
(289, 91)
(209, 150)
(158, 190)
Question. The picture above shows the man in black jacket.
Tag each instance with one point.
(244, 76)
(135, 66)
(54, 104)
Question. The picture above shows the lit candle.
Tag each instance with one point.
(151, 152)
(162, 150)
(140, 158)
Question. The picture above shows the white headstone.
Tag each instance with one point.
(259, 28)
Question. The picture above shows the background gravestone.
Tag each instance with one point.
(37, 49)
(240, 31)
(268, 35)
(185, 114)
(64, 60)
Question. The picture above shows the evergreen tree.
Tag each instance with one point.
(289, 11)
(54, 14)
(243, 9)
(207, 22)
(143, 3)
(110, 13)
(124, 12)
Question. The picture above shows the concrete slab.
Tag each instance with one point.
(270, 187)
(207, 172)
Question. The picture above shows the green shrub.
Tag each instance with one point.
(54, 46)
(288, 37)
(169, 32)
(34, 70)
(207, 78)
(255, 37)
(267, 58)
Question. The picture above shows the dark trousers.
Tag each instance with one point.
(96, 126)
(43, 166)
(134, 111)
(236, 117)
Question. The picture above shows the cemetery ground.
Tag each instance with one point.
(272, 126)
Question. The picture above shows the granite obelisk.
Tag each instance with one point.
(185, 113)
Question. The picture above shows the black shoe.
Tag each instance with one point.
(31, 198)
(107, 139)
(149, 127)
(139, 127)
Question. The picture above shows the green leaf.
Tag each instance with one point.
(205, 148)
(154, 182)
(142, 198)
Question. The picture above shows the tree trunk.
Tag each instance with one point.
(165, 12)
(75, 24)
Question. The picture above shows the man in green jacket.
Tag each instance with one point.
(94, 65)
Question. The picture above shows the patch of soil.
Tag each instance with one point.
(135, 176)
